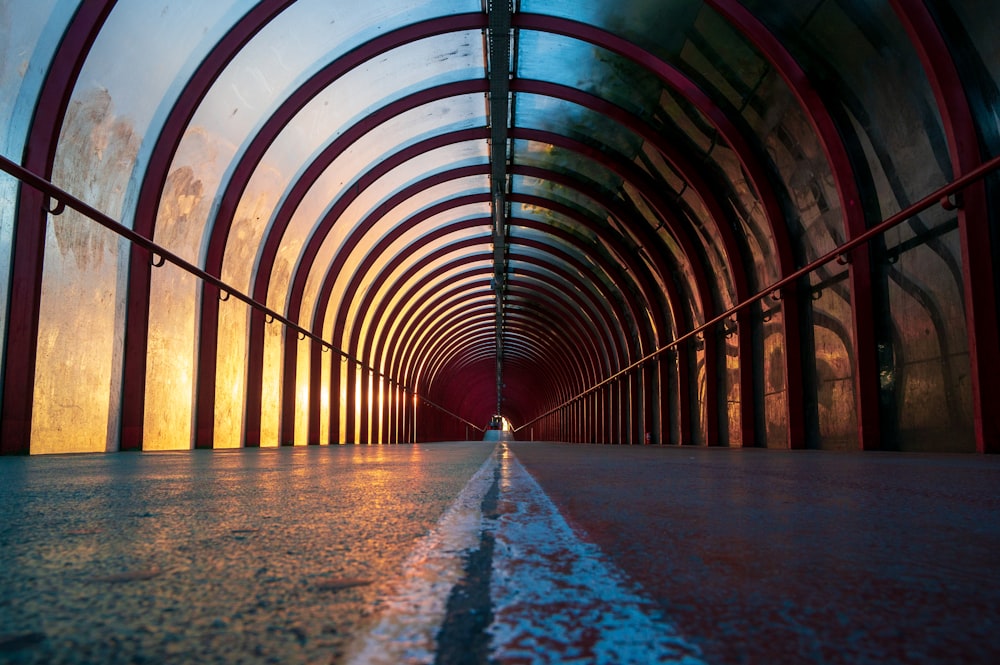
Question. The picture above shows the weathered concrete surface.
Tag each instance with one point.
(255, 556)
(702, 555)
(796, 556)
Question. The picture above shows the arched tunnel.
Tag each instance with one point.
(495, 230)
(729, 223)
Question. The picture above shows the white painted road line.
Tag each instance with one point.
(411, 616)
(557, 599)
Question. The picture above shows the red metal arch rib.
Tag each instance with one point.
(272, 241)
(400, 362)
(289, 377)
(378, 312)
(752, 163)
(167, 143)
(516, 315)
(552, 360)
(366, 305)
(460, 298)
(562, 363)
(170, 137)
(361, 347)
(860, 269)
(393, 371)
(553, 363)
(347, 300)
(977, 257)
(208, 338)
(389, 267)
(393, 358)
(570, 361)
(674, 300)
(28, 245)
(150, 193)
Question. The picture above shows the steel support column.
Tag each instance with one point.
(28, 244)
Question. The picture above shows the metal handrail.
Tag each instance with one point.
(941, 196)
(63, 199)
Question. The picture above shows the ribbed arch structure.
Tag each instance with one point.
(387, 222)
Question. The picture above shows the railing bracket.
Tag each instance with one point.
(950, 203)
(59, 208)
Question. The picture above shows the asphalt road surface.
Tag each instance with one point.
(453, 553)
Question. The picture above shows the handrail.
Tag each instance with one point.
(63, 199)
(941, 196)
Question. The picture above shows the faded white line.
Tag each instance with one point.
(411, 616)
(557, 599)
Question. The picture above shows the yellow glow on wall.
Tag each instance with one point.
(324, 406)
(342, 434)
(174, 295)
(370, 406)
(230, 378)
(301, 392)
(380, 408)
(357, 407)
(170, 360)
(80, 327)
(270, 416)
(73, 370)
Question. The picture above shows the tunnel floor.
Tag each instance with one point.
(477, 552)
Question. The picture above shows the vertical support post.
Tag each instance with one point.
(336, 386)
(794, 377)
(315, 392)
(648, 400)
(367, 394)
(748, 403)
(350, 417)
(255, 379)
(207, 368)
(666, 415)
(713, 388)
(289, 380)
(22, 324)
(979, 241)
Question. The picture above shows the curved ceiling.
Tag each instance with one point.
(494, 207)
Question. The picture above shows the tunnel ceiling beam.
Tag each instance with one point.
(499, 36)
